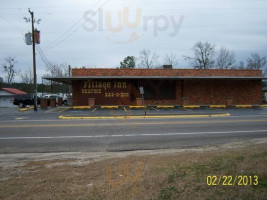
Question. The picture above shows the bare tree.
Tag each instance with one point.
(57, 70)
(148, 59)
(54, 70)
(1, 81)
(60, 70)
(225, 59)
(9, 69)
(171, 59)
(255, 62)
(203, 56)
(240, 65)
(27, 76)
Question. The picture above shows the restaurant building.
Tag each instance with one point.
(164, 86)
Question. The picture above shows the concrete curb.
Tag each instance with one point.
(168, 107)
(191, 106)
(109, 107)
(81, 107)
(243, 106)
(25, 109)
(144, 117)
(165, 106)
(217, 106)
(137, 106)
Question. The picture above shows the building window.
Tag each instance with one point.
(156, 89)
(167, 90)
(149, 93)
(167, 94)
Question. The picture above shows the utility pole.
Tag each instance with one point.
(69, 76)
(34, 62)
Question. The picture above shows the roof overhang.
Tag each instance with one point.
(68, 80)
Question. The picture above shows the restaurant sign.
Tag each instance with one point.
(107, 89)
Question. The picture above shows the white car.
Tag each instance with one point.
(51, 96)
(66, 99)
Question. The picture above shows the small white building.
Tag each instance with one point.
(7, 96)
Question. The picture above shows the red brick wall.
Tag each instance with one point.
(200, 92)
(197, 92)
(206, 92)
(166, 72)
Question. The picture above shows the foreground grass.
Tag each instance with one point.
(177, 176)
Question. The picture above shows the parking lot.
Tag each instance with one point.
(67, 111)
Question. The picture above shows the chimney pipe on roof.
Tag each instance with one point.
(167, 66)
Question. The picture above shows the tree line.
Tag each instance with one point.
(26, 76)
(204, 56)
(11, 70)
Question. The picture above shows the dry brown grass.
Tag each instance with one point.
(178, 176)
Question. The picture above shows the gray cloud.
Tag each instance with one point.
(238, 25)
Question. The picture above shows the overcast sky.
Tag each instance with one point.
(101, 33)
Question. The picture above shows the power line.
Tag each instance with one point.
(179, 9)
(183, 26)
(59, 42)
(69, 29)
(13, 25)
(43, 57)
(154, 3)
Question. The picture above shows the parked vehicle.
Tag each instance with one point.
(51, 96)
(67, 99)
(23, 100)
(264, 97)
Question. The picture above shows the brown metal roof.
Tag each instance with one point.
(13, 91)
(139, 72)
(69, 79)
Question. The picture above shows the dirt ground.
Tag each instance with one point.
(159, 174)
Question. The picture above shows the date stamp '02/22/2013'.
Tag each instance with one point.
(239, 180)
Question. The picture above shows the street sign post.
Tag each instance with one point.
(142, 92)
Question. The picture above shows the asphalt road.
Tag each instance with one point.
(44, 132)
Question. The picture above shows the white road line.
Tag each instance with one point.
(94, 110)
(154, 108)
(19, 118)
(64, 109)
(53, 109)
(130, 135)
(248, 116)
(33, 120)
(48, 120)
